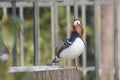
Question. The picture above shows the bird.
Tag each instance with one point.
(4, 52)
(71, 48)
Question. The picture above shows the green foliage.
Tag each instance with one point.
(62, 23)
(9, 29)
(90, 36)
(23, 76)
(4, 75)
(1, 13)
(11, 24)
(45, 36)
(91, 75)
(28, 42)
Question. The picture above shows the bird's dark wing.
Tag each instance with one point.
(61, 46)
(65, 44)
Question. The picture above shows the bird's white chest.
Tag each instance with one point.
(74, 50)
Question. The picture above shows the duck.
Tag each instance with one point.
(71, 48)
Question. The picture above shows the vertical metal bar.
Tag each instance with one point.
(54, 26)
(56, 20)
(5, 12)
(84, 38)
(115, 30)
(68, 23)
(76, 17)
(15, 51)
(21, 38)
(13, 8)
(15, 38)
(36, 33)
(99, 35)
(97, 39)
(84, 35)
(52, 31)
(75, 9)
(68, 19)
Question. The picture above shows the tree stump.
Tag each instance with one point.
(45, 73)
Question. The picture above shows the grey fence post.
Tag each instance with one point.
(15, 35)
(68, 23)
(115, 30)
(97, 39)
(56, 20)
(84, 38)
(36, 32)
(21, 37)
(52, 30)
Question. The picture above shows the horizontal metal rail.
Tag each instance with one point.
(25, 3)
(44, 68)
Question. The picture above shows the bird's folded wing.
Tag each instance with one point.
(61, 46)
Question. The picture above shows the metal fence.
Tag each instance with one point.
(54, 4)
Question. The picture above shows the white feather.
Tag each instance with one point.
(73, 51)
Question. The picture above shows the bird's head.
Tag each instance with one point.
(76, 24)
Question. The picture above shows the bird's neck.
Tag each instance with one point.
(79, 30)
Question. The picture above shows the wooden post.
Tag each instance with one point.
(46, 72)
(64, 74)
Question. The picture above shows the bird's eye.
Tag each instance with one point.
(77, 22)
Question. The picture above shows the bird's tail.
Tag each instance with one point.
(55, 60)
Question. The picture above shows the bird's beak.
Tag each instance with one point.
(72, 25)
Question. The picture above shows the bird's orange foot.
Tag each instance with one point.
(76, 66)
(65, 65)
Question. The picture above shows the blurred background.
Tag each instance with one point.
(30, 30)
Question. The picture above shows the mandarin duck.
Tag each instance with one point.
(71, 48)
